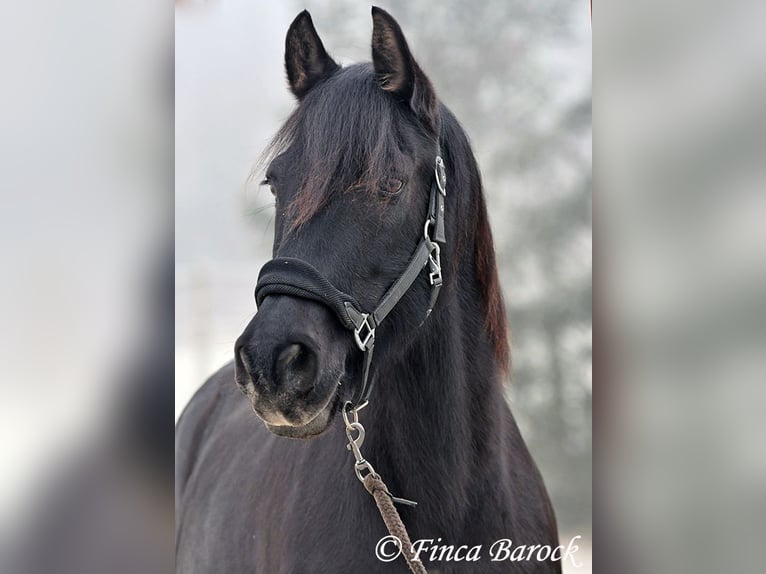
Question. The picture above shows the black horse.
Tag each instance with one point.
(352, 171)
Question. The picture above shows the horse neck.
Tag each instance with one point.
(436, 420)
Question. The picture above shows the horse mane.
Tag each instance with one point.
(492, 296)
(359, 130)
(494, 307)
(465, 171)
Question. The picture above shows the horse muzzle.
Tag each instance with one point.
(288, 363)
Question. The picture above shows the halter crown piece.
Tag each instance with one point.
(296, 278)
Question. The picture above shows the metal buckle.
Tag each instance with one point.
(441, 176)
(435, 264)
(427, 237)
(364, 334)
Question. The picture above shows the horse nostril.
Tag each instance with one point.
(243, 360)
(296, 368)
(243, 369)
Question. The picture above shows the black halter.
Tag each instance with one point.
(296, 278)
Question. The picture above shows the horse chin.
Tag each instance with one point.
(315, 427)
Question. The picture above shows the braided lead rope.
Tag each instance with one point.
(375, 486)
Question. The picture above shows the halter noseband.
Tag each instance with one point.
(296, 278)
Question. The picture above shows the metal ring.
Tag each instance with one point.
(348, 407)
(362, 465)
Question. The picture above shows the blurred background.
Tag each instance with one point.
(680, 413)
(517, 74)
(86, 316)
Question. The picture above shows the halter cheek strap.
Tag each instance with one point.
(296, 278)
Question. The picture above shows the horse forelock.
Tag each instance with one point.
(346, 135)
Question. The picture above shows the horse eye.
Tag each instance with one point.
(272, 189)
(392, 186)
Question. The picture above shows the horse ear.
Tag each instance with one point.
(306, 60)
(396, 69)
